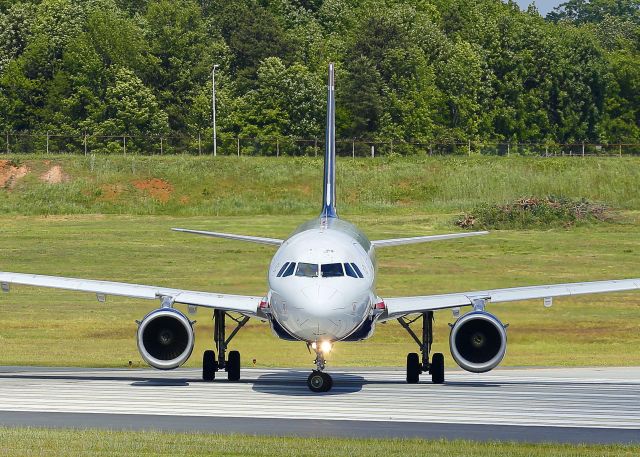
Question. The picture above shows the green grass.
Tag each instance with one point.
(48, 327)
(40, 442)
(225, 186)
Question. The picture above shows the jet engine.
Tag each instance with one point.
(478, 341)
(165, 338)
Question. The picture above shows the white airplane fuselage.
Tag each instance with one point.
(316, 305)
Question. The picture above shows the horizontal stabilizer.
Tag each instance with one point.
(231, 236)
(423, 239)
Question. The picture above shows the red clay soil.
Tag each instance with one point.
(157, 188)
(10, 174)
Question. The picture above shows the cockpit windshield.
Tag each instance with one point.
(308, 270)
(331, 270)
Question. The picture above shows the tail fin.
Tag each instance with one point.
(329, 184)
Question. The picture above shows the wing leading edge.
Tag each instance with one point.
(240, 303)
(400, 306)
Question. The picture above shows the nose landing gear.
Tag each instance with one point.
(318, 380)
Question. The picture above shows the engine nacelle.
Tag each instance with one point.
(478, 341)
(165, 338)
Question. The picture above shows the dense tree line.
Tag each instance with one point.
(424, 70)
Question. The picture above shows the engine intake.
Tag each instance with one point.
(478, 341)
(165, 338)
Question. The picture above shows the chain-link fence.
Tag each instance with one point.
(58, 143)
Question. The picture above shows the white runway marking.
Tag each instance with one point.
(593, 398)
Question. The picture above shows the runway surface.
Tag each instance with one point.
(592, 405)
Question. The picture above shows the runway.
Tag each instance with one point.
(591, 405)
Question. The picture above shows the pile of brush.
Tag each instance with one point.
(536, 212)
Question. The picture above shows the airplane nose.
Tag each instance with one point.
(320, 301)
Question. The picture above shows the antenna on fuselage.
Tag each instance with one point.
(329, 183)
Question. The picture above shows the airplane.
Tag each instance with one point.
(321, 290)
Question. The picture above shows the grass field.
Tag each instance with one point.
(44, 229)
(48, 327)
(37, 442)
(226, 186)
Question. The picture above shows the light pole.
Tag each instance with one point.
(213, 107)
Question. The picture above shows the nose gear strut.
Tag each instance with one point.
(318, 380)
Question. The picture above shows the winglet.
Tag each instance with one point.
(329, 184)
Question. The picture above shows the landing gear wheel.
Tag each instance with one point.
(437, 368)
(319, 382)
(209, 366)
(413, 368)
(233, 366)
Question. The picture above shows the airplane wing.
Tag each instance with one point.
(240, 303)
(232, 236)
(401, 306)
(423, 239)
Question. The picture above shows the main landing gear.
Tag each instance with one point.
(318, 380)
(231, 364)
(415, 366)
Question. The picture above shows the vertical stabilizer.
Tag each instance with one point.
(329, 184)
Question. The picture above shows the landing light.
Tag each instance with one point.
(325, 346)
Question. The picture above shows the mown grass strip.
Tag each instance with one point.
(27, 442)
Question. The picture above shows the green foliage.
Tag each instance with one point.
(428, 70)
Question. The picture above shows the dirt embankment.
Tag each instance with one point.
(10, 174)
(54, 175)
(156, 188)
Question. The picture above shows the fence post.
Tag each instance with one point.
(7, 142)
(199, 145)
(124, 144)
(353, 148)
(47, 142)
(277, 147)
(238, 144)
(469, 147)
(161, 145)
(583, 149)
(85, 143)
(508, 148)
(315, 146)
(373, 151)
(391, 145)
(620, 150)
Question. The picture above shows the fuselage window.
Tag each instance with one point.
(348, 269)
(289, 270)
(284, 267)
(308, 270)
(331, 270)
(358, 272)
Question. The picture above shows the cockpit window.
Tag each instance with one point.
(331, 270)
(308, 270)
(348, 269)
(358, 272)
(289, 270)
(284, 267)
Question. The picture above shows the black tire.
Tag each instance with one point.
(233, 366)
(319, 382)
(209, 366)
(329, 382)
(413, 368)
(437, 368)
